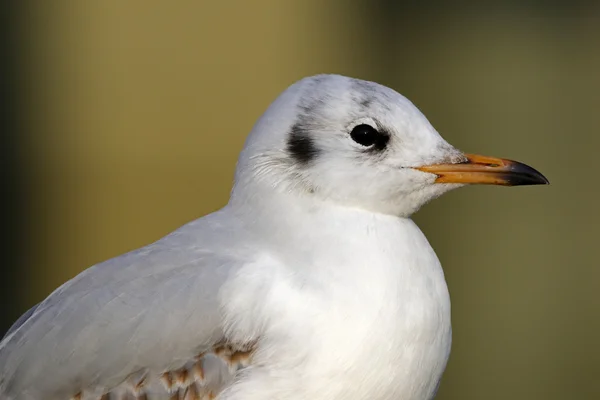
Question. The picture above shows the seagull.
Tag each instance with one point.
(311, 283)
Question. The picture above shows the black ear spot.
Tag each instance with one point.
(369, 137)
(300, 145)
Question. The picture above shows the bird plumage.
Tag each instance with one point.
(313, 282)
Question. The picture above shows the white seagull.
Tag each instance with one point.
(311, 283)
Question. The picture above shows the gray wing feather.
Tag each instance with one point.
(20, 321)
(150, 308)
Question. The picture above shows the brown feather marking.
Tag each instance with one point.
(167, 381)
(136, 386)
(222, 349)
(232, 355)
(241, 357)
(235, 355)
(186, 383)
(140, 385)
(191, 393)
(181, 377)
(198, 371)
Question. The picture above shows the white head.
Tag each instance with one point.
(358, 144)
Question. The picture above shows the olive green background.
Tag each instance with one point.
(128, 118)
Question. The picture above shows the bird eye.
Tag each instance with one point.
(366, 135)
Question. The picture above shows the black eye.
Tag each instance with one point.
(367, 136)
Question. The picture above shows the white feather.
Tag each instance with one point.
(316, 266)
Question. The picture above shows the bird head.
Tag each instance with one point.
(360, 144)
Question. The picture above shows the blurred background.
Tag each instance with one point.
(123, 121)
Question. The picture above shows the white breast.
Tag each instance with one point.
(370, 320)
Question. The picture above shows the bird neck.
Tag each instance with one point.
(349, 246)
(308, 222)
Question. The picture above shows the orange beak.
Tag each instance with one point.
(487, 171)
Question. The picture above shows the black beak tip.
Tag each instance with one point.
(522, 175)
